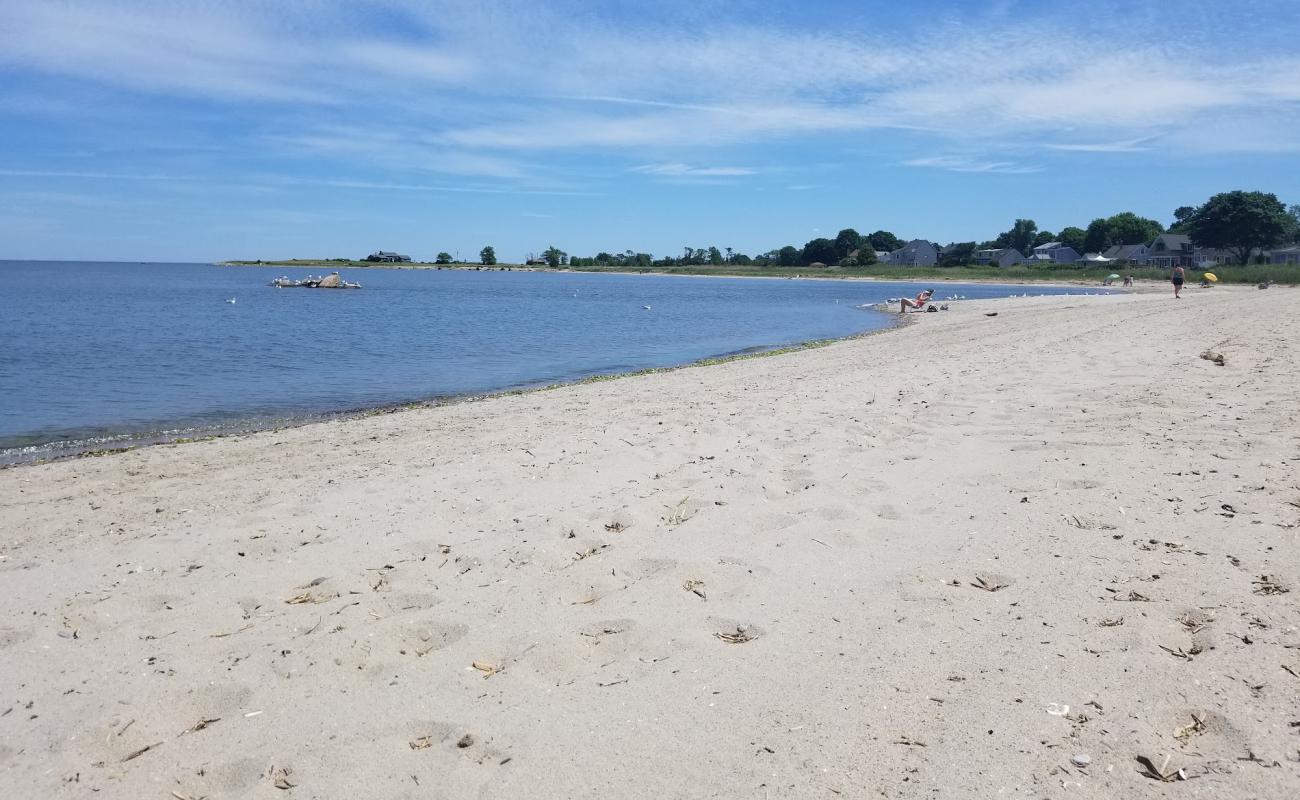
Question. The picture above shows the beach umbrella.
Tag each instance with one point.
(1112, 277)
(1211, 277)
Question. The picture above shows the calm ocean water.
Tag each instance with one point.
(106, 354)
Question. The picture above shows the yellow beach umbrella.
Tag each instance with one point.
(1211, 277)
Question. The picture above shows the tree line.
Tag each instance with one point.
(1240, 222)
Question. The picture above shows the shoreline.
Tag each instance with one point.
(978, 556)
(826, 276)
(240, 428)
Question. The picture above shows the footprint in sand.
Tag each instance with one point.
(644, 568)
(12, 636)
(422, 638)
(888, 512)
(413, 601)
(229, 778)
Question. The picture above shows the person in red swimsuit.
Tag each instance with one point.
(919, 303)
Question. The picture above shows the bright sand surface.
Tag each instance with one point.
(539, 595)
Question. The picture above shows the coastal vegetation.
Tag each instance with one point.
(1023, 273)
(1244, 224)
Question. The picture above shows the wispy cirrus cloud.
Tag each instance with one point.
(679, 170)
(90, 175)
(1138, 145)
(969, 164)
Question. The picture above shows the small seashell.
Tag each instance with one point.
(1081, 760)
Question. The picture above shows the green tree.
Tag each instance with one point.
(1129, 228)
(884, 242)
(866, 254)
(1240, 222)
(1043, 237)
(1020, 237)
(715, 256)
(1097, 238)
(443, 258)
(957, 254)
(1181, 215)
(554, 256)
(846, 241)
(1073, 237)
(1123, 228)
(819, 250)
(788, 256)
(487, 256)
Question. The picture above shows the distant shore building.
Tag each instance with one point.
(1055, 253)
(1285, 255)
(385, 256)
(916, 253)
(999, 256)
(1126, 253)
(1171, 250)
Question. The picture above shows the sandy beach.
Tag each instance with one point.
(973, 557)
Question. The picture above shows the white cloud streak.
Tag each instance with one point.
(968, 164)
(1138, 145)
(678, 170)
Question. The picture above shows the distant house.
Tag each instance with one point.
(1208, 256)
(1171, 250)
(1000, 256)
(1285, 255)
(1055, 253)
(385, 256)
(1127, 253)
(916, 253)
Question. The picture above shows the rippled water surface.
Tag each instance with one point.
(94, 354)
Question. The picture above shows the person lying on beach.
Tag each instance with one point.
(919, 303)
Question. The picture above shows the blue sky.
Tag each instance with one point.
(211, 129)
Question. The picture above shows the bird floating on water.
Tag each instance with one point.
(231, 300)
(647, 308)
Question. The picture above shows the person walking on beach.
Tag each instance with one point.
(1178, 282)
(919, 303)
